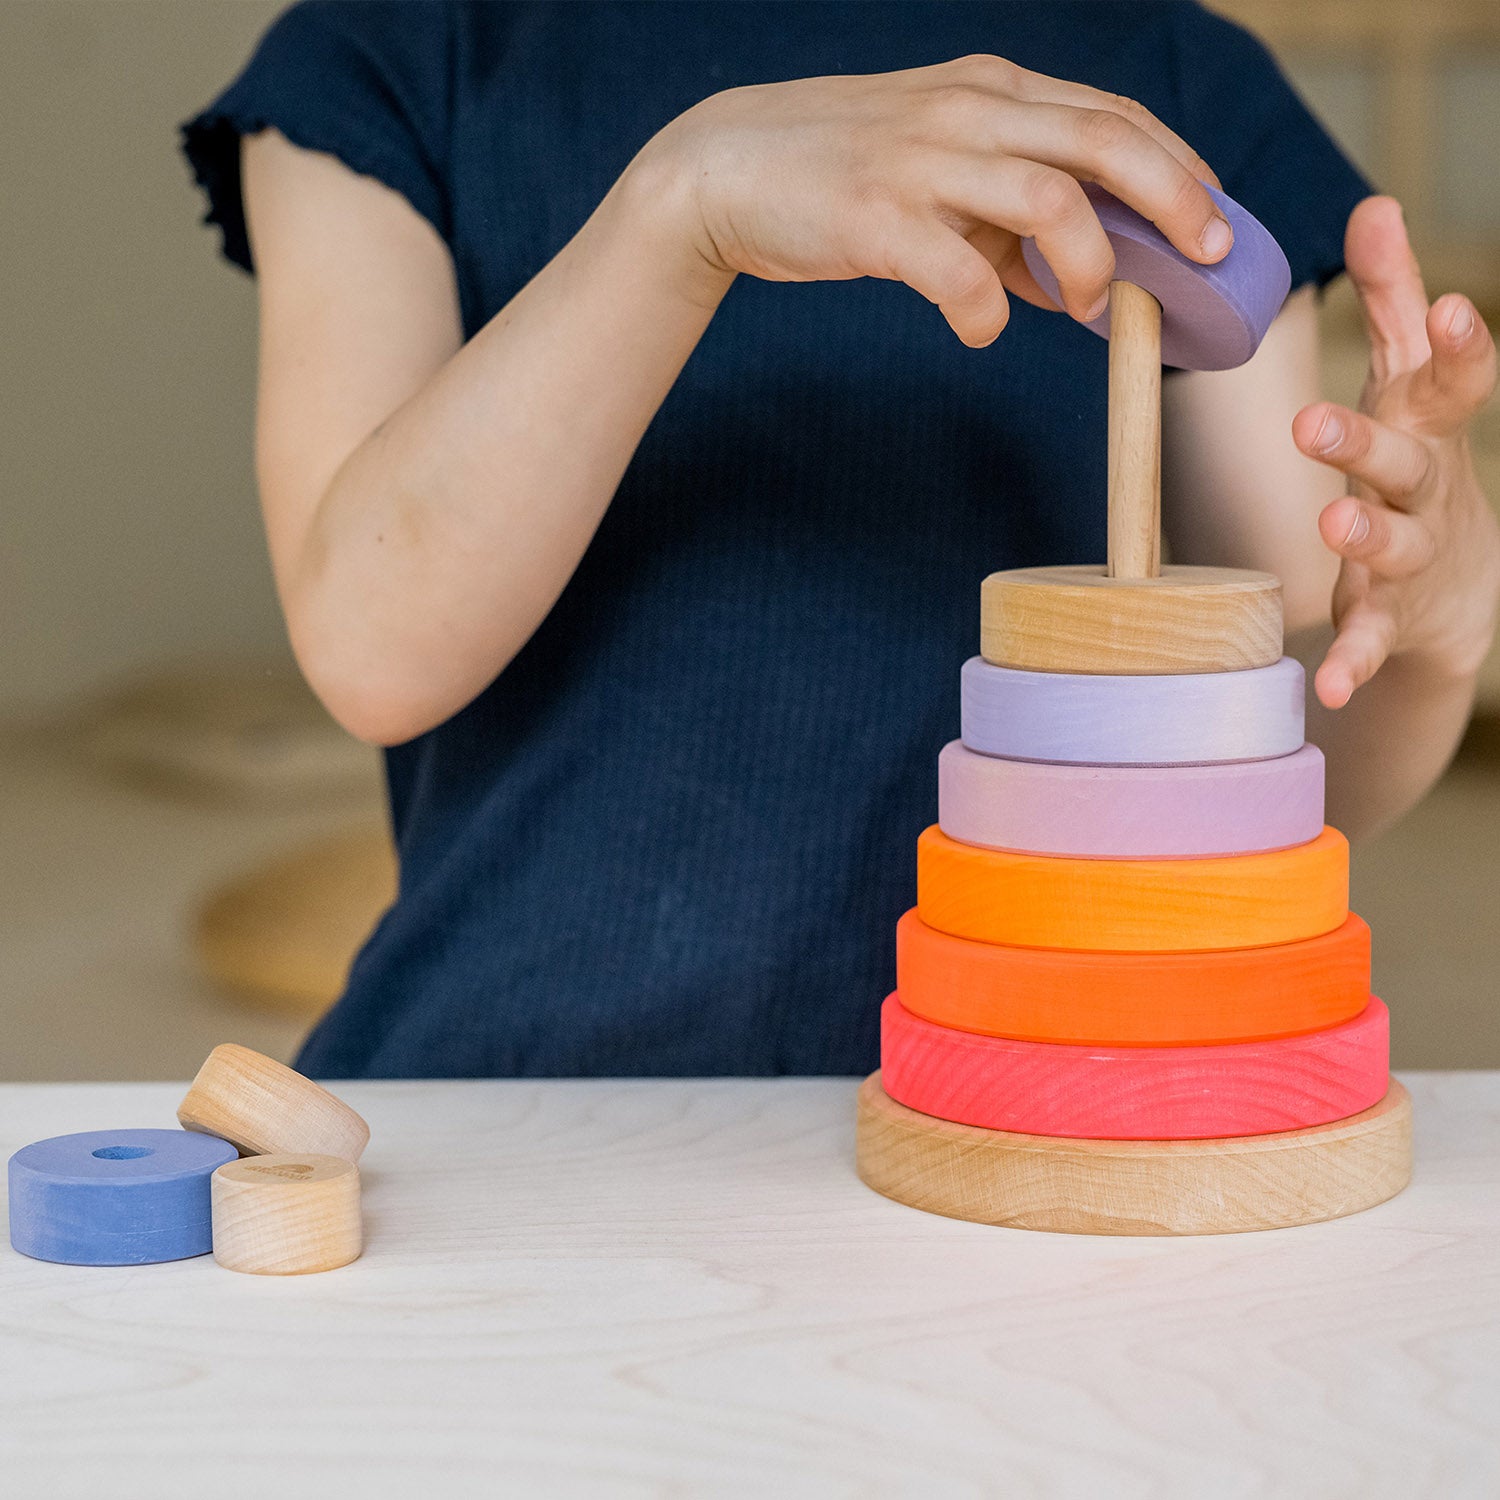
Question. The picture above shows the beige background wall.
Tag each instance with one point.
(128, 527)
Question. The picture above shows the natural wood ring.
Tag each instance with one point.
(1077, 619)
(1134, 1187)
(261, 1107)
(1133, 905)
(1133, 999)
(286, 1215)
(1136, 1093)
(1130, 812)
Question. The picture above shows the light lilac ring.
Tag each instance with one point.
(1130, 812)
(1193, 718)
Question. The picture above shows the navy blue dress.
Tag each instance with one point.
(673, 837)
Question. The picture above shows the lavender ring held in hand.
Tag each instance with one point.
(1212, 317)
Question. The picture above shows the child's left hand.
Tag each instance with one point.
(1419, 543)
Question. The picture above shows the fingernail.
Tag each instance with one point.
(1097, 310)
(1461, 323)
(1330, 434)
(1359, 529)
(1217, 238)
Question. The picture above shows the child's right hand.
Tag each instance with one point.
(931, 177)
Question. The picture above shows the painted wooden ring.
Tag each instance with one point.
(1133, 999)
(1102, 720)
(1212, 317)
(1135, 1093)
(1133, 905)
(287, 1215)
(114, 1197)
(263, 1108)
(1130, 812)
(1081, 620)
(1065, 1186)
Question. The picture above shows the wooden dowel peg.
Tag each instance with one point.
(1134, 432)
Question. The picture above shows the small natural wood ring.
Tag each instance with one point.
(1134, 1187)
(288, 1214)
(1133, 905)
(261, 1107)
(1076, 619)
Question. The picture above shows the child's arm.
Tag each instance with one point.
(426, 503)
(1411, 556)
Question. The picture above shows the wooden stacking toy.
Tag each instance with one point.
(132, 1197)
(1131, 998)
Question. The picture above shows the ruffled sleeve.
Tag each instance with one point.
(370, 84)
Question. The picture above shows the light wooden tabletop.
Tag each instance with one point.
(682, 1289)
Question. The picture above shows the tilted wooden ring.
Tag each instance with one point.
(1224, 1186)
(1135, 1093)
(1130, 812)
(1078, 619)
(262, 1107)
(1102, 720)
(1133, 999)
(290, 1214)
(1131, 905)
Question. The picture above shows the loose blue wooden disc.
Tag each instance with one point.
(115, 1197)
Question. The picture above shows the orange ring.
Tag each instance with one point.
(1133, 905)
(1133, 999)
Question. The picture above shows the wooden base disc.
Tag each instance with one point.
(1220, 1186)
(1078, 619)
(286, 1215)
(260, 1106)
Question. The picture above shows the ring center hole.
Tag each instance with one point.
(122, 1153)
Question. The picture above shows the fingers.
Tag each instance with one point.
(1045, 204)
(1388, 279)
(1395, 464)
(1364, 640)
(1390, 543)
(1104, 146)
(1460, 376)
(1043, 89)
(949, 272)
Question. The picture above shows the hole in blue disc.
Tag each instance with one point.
(122, 1153)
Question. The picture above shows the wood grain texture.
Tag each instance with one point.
(287, 1214)
(1131, 905)
(1130, 812)
(1135, 1093)
(679, 1287)
(1134, 435)
(1080, 619)
(1097, 719)
(1133, 999)
(1134, 1187)
(262, 1107)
